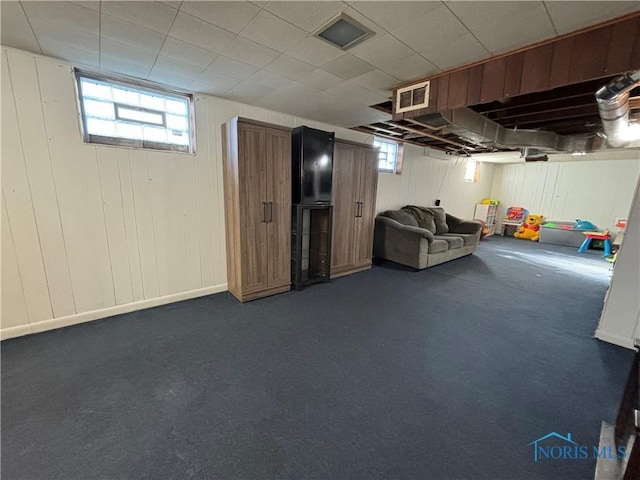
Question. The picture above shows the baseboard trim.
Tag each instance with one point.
(83, 317)
(615, 339)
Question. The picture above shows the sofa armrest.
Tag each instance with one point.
(406, 230)
(457, 225)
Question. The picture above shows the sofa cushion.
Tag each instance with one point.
(454, 241)
(438, 246)
(400, 216)
(468, 239)
(423, 215)
(440, 218)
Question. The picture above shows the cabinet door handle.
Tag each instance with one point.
(357, 209)
(361, 208)
(270, 212)
(264, 212)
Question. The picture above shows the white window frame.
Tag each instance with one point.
(398, 155)
(140, 86)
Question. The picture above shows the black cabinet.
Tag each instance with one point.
(311, 244)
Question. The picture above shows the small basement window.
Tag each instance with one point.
(115, 112)
(472, 171)
(389, 156)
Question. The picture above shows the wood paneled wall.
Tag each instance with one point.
(91, 231)
(598, 52)
(597, 191)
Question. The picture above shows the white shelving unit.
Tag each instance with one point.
(488, 214)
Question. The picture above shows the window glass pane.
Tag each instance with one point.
(96, 90)
(152, 102)
(105, 128)
(139, 116)
(93, 108)
(177, 123)
(179, 138)
(155, 134)
(129, 130)
(177, 106)
(122, 95)
(387, 157)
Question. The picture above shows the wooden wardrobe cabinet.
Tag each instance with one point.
(257, 192)
(355, 182)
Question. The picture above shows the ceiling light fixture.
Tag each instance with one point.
(343, 32)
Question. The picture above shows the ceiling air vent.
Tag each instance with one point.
(343, 32)
(413, 97)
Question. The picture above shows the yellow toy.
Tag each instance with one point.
(531, 228)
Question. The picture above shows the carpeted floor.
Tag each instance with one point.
(447, 373)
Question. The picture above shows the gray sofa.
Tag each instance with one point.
(422, 237)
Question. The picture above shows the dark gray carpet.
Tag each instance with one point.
(442, 374)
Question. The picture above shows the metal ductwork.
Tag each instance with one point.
(613, 104)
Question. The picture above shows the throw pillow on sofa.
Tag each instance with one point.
(399, 216)
(424, 216)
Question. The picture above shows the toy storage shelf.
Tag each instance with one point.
(488, 214)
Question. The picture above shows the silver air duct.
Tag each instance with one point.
(613, 104)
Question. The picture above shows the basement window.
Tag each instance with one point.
(116, 112)
(389, 156)
(472, 172)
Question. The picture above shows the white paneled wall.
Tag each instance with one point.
(597, 191)
(90, 231)
(429, 176)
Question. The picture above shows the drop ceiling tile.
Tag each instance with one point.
(272, 32)
(154, 15)
(250, 52)
(460, 51)
(259, 4)
(200, 33)
(391, 15)
(503, 26)
(321, 80)
(250, 89)
(269, 79)
(175, 67)
(114, 49)
(209, 89)
(307, 15)
(433, 30)
(353, 92)
(51, 32)
(171, 79)
(93, 5)
(314, 51)
(347, 66)
(63, 13)
(232, 68)
(378, 81)
(125, 67)
(212, 79)
(186, 52)
(73, 55)
(131, 34)
(289, 67)
(15, 29)
(232, 16)
(567, 18)
(381, 49)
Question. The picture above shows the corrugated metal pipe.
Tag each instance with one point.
(613, 104)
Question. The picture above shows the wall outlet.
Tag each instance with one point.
(437, 203)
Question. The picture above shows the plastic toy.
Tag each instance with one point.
(490, 201)
(531, 228)
(584, 225)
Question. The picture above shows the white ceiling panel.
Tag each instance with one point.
(356, 93)
(314, 51)
(566, 17)
(307, 15)
(114, 49)
(63, 14)
(250, 52)
(348, 66)
(124, 67)
(173, 4)
(200, 33)
(171, 79)
(269, 79)
(212, 78)
(51, 32)
(154, 15)
(93, 4)
(232, 16)
(321, 80)
(463, 50)
(289, 67)
(377, 81)
(273, 32)
(433, 30)
(186, 52)
(251, 90)
(131, 34)
(74, 55)
(391, 15)
(15, 28)
(232, 68)
(410, 68)
(521, 23)
(172, 66)
(381, 50)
